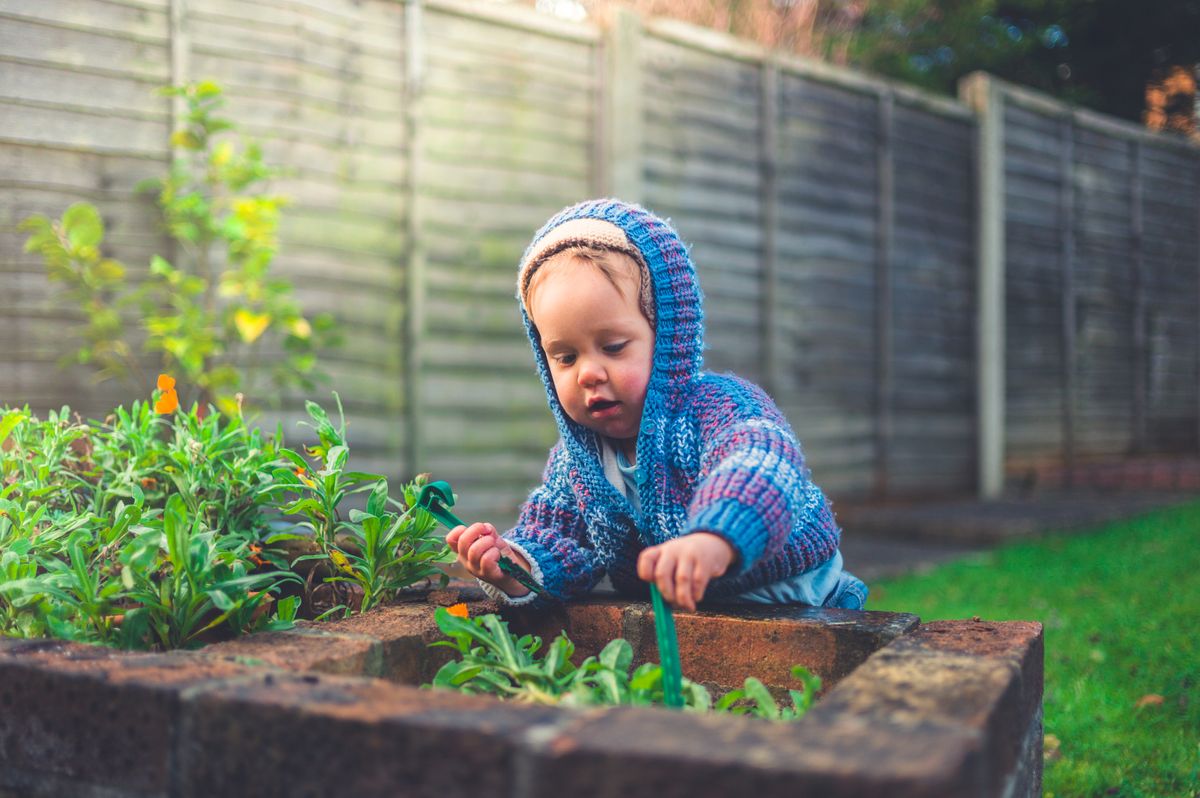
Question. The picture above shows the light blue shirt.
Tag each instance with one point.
(813, 587)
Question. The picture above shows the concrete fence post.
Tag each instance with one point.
(981, 93)
(414, 287)
(622, 110)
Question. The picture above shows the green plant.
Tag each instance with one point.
(495, 661)
(116, 533)
(202, 581)
(216, 306)
(377, 551)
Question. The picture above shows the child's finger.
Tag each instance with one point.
(489, 567)
(646, 563)
(452, 537)
(481, 545)
(467, 537)
(700, 577)
(473, 533)
(684, 585)
(664, 575)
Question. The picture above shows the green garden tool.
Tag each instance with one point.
(437, 498)
(668, 649)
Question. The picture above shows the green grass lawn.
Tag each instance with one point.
(1121, 608)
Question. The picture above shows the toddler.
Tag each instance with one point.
(662, 472)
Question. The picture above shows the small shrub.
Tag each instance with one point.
(216, 308)
(376, 551)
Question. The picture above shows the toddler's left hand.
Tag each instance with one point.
(683, 567)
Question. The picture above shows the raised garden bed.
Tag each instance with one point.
(941, 709)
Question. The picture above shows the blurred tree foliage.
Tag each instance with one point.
(1097, 53)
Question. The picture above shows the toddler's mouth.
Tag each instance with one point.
(600, 405)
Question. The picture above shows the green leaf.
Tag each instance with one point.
(83, 225)
(207, 88)
(303, 506)
(9, 422)
(618, 655)
(161, 267)
(109, 270)
(221, 600)
(764, 702)
(726, 702)
(647, 677)
(377, 501)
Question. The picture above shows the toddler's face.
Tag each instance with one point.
(599, 346)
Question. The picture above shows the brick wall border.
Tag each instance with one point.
(942, 709)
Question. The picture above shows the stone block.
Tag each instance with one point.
(640, 752)
(979, 681)
(305, 650)
(286, 734)
(404, 632)
(94, 715)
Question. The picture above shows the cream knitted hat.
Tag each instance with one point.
(593, 233)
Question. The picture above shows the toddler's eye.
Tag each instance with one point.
(613, 349)
(564, 360)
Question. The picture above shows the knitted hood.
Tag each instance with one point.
(679, 323)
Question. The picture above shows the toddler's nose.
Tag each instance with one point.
(590, 373)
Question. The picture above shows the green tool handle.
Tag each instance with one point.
(668, 649)
(450, 520)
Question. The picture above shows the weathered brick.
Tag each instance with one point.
(723, 647)
(983, 679)
(305, 650)
(96, 715)
(404, 632)
(656, 753)
(319, 736)
(590, 623)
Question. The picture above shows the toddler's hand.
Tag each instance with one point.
(479, 548)
(683, 567)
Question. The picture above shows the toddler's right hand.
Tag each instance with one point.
(479, 548)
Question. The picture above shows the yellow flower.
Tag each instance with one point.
(250, 325)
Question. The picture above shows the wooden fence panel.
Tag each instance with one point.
(702, 170)
(507, 139)
(79, 120)
(832, 217)
(1172, 255)
(1104, 291)
(1034, 395)
(320, 83)
(828, 194)
(932, 402)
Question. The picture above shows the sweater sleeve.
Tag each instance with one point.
(753, 487)
(551, 534)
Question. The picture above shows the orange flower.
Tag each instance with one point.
(459, 610)
(300, 472)
(149, 483)
(255, 551)
(169, 401)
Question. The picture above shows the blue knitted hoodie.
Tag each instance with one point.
(714, 453)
